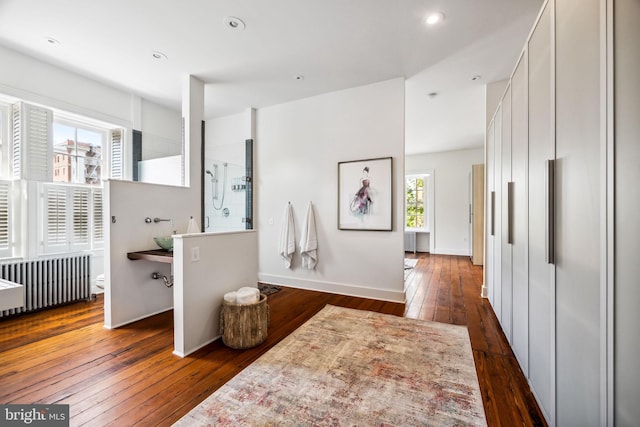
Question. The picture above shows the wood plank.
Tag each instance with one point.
(129, 375)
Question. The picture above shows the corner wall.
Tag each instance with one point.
(451, 196)
(298, 147)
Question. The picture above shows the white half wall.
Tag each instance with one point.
(298, 147)
(451, 196)
(130, 292)
(226, 262)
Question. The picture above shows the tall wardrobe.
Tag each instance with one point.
(563, 212)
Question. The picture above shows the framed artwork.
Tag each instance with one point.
(365, 194)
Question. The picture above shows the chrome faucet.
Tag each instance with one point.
(157, 220)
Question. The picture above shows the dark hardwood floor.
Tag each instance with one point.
(129, 376)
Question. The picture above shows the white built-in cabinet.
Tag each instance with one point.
(562, 273)
(518, 220)
(622, 161)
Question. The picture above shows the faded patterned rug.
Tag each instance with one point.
(353, 367)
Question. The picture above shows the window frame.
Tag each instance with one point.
(62, 119)
(428, 201)
(425, 201)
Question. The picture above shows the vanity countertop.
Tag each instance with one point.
(157, 255)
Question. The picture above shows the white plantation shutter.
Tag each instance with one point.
(80, 217)
(55, 224)
(70, 214)
(16, 132)
(98, 226)
(32, 142)
(5, 219)
(115, 146)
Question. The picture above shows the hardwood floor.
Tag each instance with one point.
(129, 376)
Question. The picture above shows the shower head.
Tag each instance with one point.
(209, 172)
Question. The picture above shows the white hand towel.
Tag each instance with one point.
(230, 297)
(309, 240)
(251, 291)
(247, 296)
(287, 243)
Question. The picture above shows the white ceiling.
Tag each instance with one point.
(334, 44)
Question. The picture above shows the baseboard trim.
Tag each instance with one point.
(334, 288)
(184, 354)
(457, 252)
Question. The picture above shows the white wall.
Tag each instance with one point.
(298, 147)
(35, 81)
(450, 233)
(163, 170)
(227, 261)
(130, 292)
(162, 135)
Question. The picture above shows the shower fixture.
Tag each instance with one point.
(214, 185)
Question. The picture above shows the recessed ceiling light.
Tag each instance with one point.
(52, 41)
(158, 55)
(434, 18)
(234, 23)
(299, 77)
(476, 77)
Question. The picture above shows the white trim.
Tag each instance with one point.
(456, 252)
(184, 354)
(334, 288)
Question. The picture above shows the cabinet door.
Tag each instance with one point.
(506, 217)
(490, 212)
(578, 178)
(497, 248)
(519, 251)
(541, 272)
(627, 206)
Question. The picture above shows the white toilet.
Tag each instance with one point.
(100, 281)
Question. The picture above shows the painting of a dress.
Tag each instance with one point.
(362, 200)
(364, 194)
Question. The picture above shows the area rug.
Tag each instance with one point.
(353, 367)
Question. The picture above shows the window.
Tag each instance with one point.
(54, 163)
(77, 153)
(415, 202)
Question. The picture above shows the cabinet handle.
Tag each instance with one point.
(550, 211)
(510, 189)
(493, 213)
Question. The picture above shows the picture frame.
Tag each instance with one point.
(365, 194)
